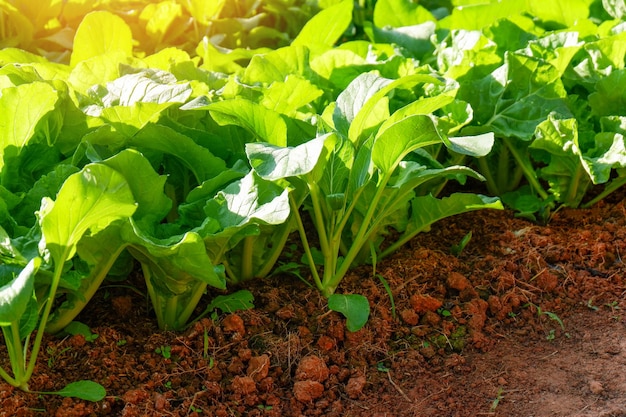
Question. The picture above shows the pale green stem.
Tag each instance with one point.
(246, 259)
(58, 270)
(305, 242)
(529, 173)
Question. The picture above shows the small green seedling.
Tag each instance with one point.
(496, 401)
(165, 351)
(458, 248)
(591, 306)
(389, 293)
(54, 354)
(237, 301)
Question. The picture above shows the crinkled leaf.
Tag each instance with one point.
(146, 86)
(556, 145)
(516, 97)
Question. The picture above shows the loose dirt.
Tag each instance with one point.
(528, 320)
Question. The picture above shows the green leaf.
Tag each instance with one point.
(482, 14)
(83, 390)
(237, 301)
(277, 65)
(516, 97)
(427, 210)
(326, 28)
(393, 142)
(16, 295)
(354, 307)
(23, 119)
(354, 98)
(263, 124)
(98, 33)
(289, 96)
(557, 146)
(396, 13)
(88, 200)
(145, 86)
(274, 162)
(247, 200)
(78, 328)
(609, 99)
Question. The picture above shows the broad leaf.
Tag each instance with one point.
(101, 32)
(23, 119)
(84, 390)
(326, 27)
(88, 200)
(393, 142)
(354, 307)
(15, 296)
(273, 162)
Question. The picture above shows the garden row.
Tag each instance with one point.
(199, 161)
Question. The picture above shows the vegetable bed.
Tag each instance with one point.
(231, 192)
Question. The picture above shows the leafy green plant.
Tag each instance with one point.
(97, 195)
(359, 186)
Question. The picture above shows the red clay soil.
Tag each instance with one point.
(528, 320)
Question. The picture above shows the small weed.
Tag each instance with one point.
(165, 351)
(205, 344)
(457, 249)
(168, 385)
(264, 407)
(381, 367)
(195, 409)
(389, 293)
(121, 342)
(54, 354)
(552, 316)
(591, 306)
(496, 401)
(444, 312)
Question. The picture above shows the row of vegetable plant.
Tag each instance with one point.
(125, 143)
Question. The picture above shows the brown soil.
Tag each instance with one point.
(471, 335)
